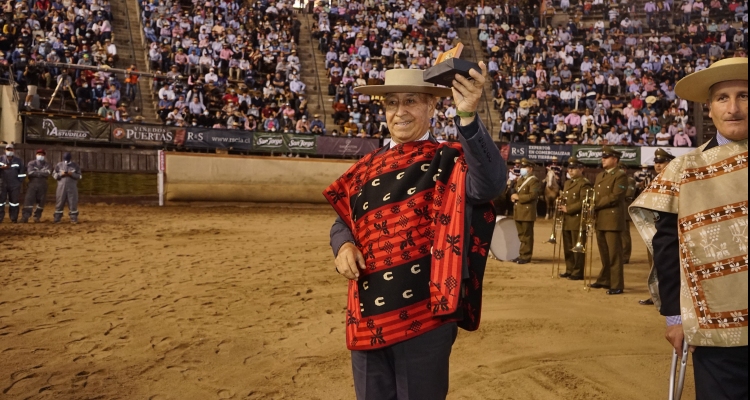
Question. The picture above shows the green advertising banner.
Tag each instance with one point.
(304, 144)
(592, 155)
(269, 142)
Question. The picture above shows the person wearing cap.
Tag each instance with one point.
(12, 174)
(610, 188)
(574, 191)
(67, 174)
(661, 160)
(405, 212)
(38, 170)
(525, 198)
(693, 216)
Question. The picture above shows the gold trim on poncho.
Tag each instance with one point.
(708, 192)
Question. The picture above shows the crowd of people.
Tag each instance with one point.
(233, 64)
(611, 83)
(228, 64)
(78, 32)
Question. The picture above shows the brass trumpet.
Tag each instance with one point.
(557, 225)
(585, 245)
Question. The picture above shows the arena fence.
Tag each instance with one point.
(81, 131)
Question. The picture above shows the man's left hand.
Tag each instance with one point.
(466, 93)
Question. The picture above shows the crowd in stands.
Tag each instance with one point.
(61, 31)
(610, 82)
(235, 64)
(606, 76)
(606, 82)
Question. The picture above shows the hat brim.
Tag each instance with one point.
(697, 86)
(382, 90)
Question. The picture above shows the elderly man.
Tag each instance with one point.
(415, 220)
(694, 216)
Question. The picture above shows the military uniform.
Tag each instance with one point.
(573, 194)
(610, 188)
(36, 193)
(524, 212)
(11, 180)
(627, 242)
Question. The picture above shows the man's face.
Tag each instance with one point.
(728, 109)
(609, 162)
(658, 167)
(575, 172)
(408, 115)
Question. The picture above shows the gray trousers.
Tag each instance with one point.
(66, 194)
(416, 369)
(36, 195)
(11, 196)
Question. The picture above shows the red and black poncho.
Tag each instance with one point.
(406, 208)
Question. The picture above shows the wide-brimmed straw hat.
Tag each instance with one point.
(697, 86)
(404, 81)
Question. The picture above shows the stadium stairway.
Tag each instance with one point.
(126, 24)
(473, 52)
(313, 74)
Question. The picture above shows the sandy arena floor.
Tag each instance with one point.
(243, 303)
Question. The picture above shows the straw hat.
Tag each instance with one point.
(697, 86)
(404, 81)
(524, 104)
(650, 99)
(530, 38)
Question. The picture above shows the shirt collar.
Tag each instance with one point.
(721, 139)
(426, 136)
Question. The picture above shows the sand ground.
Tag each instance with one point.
(243, 303)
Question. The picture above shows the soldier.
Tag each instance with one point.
(67, 174)
(642, 179)
(627, 243)
(38, 171)
(573, 194)
(12, 173)
(610, 187)
(525, 198)
(661, 160)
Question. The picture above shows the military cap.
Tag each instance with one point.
(662, 156)
(574, 163)
(527, 163)
(608, 151)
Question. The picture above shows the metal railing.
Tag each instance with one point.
(313, 49)
(132, 51)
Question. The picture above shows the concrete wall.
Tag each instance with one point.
(10, 124)
(208, 177)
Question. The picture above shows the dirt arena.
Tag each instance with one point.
(204, 303)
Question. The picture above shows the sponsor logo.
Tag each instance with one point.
(270, 141)
(302, 143)
(50, 129)
(143, 133)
